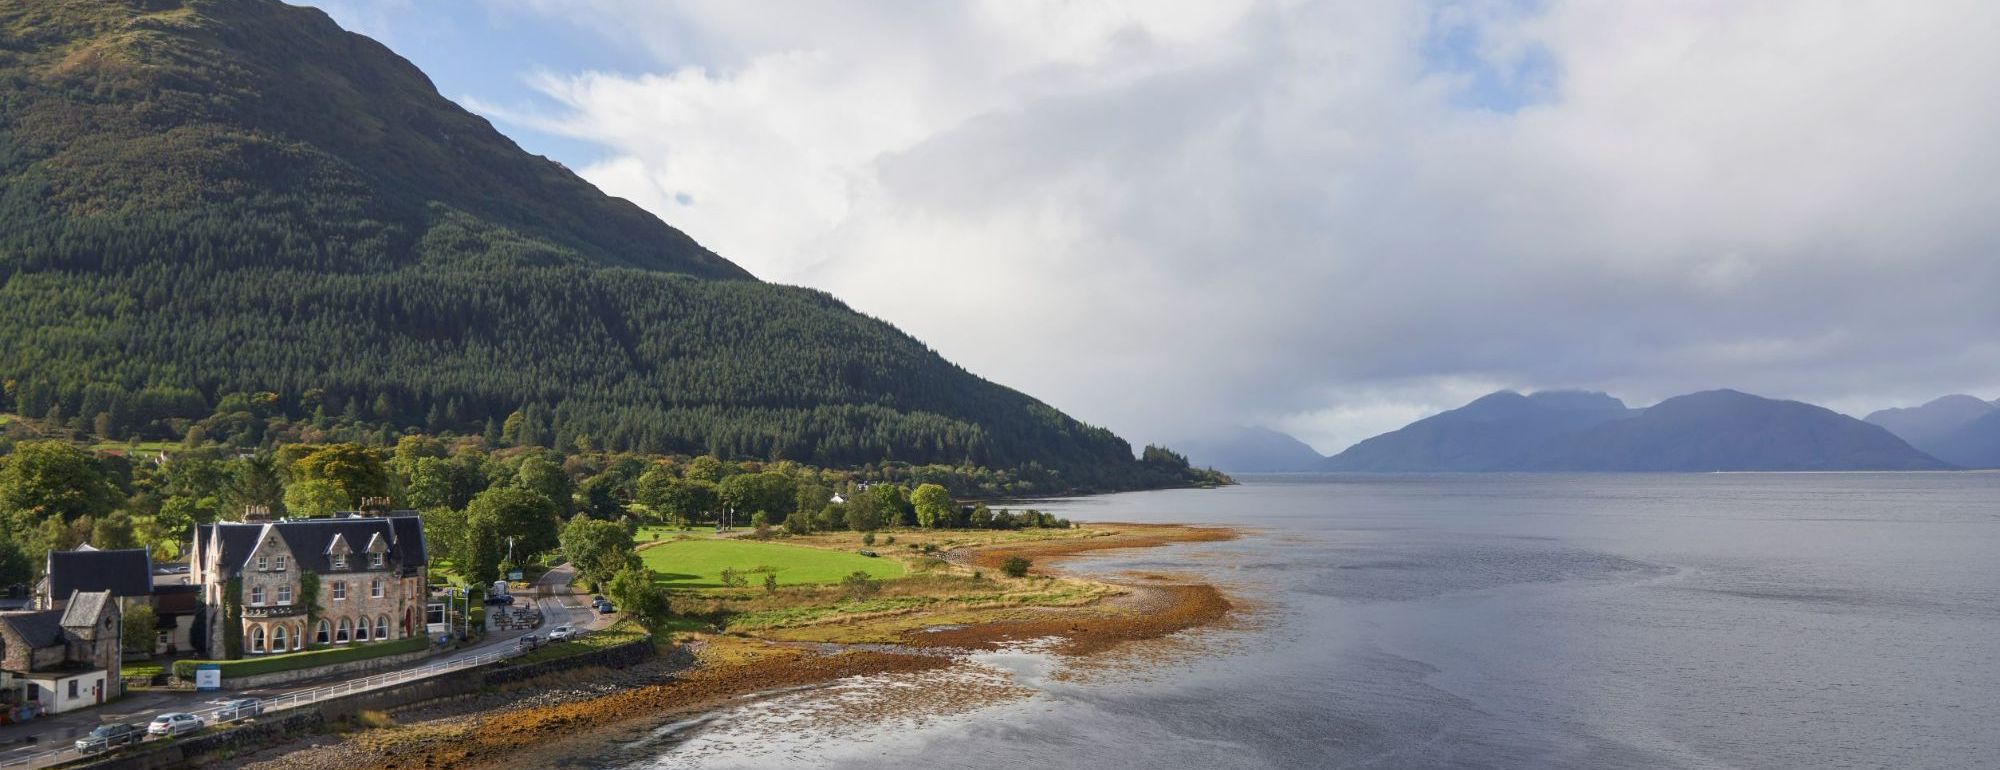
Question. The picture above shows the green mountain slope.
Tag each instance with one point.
(235, 207)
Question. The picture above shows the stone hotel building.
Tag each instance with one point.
(372, 570)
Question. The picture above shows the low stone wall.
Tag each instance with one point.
(194, 751)
(346, 670)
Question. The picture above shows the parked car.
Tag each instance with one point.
(599, 599)
(562, 633)
(530, 642)
(241, 708)
(868, 553)
(108, 737)
(606, 608)
(507, 599)
(175, 723)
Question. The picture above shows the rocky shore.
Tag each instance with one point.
(539, 724)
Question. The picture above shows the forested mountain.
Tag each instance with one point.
(1251, 450)
(1717, 430)
(1494, 432)
(233, 215)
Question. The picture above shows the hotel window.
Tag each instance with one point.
(284, 594)
(340, 637)
(281, 563)
(340, 590)
(381, 628)
(375, 589)
(361, 630)
(256, 595)
(324, 633)
(340, 561)
(375, 560)
(263, 563)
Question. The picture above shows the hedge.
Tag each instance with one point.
(310, 658)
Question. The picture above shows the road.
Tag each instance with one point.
(552, 596)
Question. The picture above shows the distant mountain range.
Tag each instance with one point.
(1958, 429)
(1251, 450)
(1717, 430)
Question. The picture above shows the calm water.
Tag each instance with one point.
(1624, 621)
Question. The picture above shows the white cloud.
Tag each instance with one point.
(1170, 216)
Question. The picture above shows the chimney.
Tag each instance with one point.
(256, 513)
(375, 506)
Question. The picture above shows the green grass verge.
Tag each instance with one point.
(699, 563)
(616, 634)
(139, 669)
(291, 661)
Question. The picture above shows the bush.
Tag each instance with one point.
(1015, 566)
(859, 585)
(867, 538)
(770, 582)
(291, 661)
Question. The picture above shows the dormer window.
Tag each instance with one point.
(340, 561)
(375, 561)
(281, 563)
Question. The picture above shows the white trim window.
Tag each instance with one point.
(263, 564)
(282, 562)
(381, 627)
(340, 561)
(256, 596)
(375, 589)
(284, 594)
(375, 561)
(324, 634)
(361, 630)
(340, 590)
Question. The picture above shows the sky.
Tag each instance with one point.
(1328, 218)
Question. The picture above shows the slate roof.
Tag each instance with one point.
(41, 628)
(124, 572)
(83, 609)
(169, 601)
(310, 539)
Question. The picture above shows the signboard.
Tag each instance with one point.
(207, 676)
(514, 575)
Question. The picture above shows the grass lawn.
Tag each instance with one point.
(618, 633)
(699, 563)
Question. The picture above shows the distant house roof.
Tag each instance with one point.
(123, 572)
(41, 628)
(312, 540)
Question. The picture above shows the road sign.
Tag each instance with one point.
(515, 575)
(207, 676)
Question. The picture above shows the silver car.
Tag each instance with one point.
(242, 708)
(562, 633)
(175, 723)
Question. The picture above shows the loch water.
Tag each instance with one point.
(1493, 621)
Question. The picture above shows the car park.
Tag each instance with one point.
(562, 633)
(175, 723)
(108, 737)
(241, 708)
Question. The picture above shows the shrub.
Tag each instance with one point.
(859, 585)
(309, 659)
(770, 582)
(867, 538)
(1015, 566)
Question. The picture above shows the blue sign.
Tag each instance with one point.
(514, 575)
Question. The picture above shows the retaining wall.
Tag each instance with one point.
(194, 751)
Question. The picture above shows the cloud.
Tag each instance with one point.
(1333, 216)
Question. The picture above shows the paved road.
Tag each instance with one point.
(553, 597)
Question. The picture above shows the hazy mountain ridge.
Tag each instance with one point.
(1719, 430)
(1959, 429)
(1251, 450)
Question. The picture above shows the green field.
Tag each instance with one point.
(699, 563)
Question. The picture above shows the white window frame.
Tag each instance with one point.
(375, 589)
(340, 590)
(284, 594)
(375, 561)
(256, 596)
(282, 562)
(263, 563)
(381, 627)
(340, 561)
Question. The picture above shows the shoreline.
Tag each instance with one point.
(564, 719)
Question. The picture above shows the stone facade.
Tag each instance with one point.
(372, 573)
(62, 659)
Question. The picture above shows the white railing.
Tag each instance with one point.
(299, 698)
